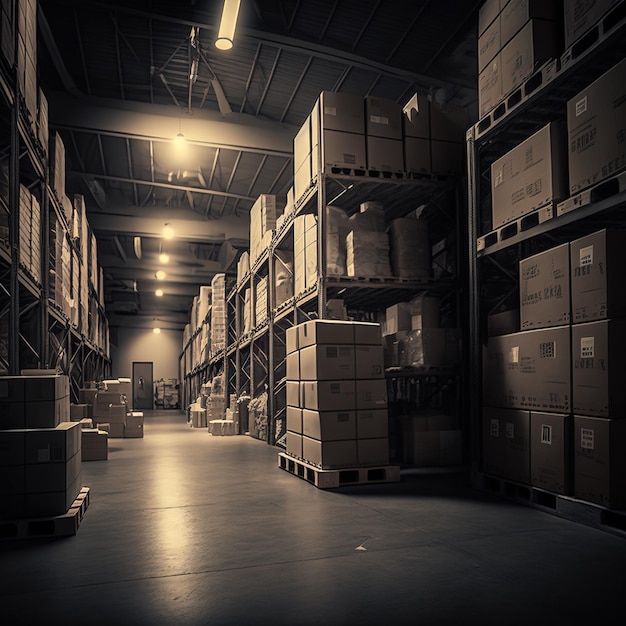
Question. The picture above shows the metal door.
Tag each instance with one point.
(143, 388)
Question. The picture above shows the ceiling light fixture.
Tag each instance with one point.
(226, 33)
(156, 330)
(159, 293)
(168, 232)
(160, 275)
(164, 257)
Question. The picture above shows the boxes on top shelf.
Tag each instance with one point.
(516, 14)
(529, 176)
(596, 125)
(581, 16)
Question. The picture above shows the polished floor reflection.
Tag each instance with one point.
(185, 528)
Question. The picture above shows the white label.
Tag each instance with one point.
(330, 111)
(494, 428)
(586, 438)
(546, 434)
(514, 354)
(586, 256)
(510, 430)
(547, 350)
(587, 345)
(379, 119)
(581, 106)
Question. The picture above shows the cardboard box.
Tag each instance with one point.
(367, 333)
(51, 445)
(537, 42)
(294, 393)
(597, 261)
(12, 389)
(544, 280)
(46, 477)
(531, 175)
(117, 413)
(598, 368)
(489, 44)
(385, 154)
(327, 362)
(51, 503)
(409, 248)
(417, 159)
(596, 119)
(490, 91)
(302, 145)
(133, 426)
(426, 348)
(291, 339)
(372, 423)
(487, 13)
(116, 429)
(372, 451)
(529, 370)
(294, 444)
(95, 445)
(398, 318)
(599, 461)
(41, 414)
(515, 14)
(371, 394)
(12, 447)
(294, 419)
(330, 395)
(339, 111)
(581, 15)
(551, 444)
(503, 323)
(325, 332)
(341, 150)
(369, 362)
(292, 364)
(329, 425)
(383, 117)
(506, 443)
(330, 454)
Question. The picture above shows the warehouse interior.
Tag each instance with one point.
(335, 282)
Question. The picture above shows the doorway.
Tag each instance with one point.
(143, 388)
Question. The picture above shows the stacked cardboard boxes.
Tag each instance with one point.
(263, 216)
(167, 393)
(383, 133)
(305, 253)
(219, 325)
(514, 38)
(336, 394)
(40, 448)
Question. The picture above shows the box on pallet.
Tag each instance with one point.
(551, 444)
(596, 280)
(506, 443)
(596, 123)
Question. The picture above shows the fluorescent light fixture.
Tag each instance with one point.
(159, 293)
(168, 232)
(156, 330)
(160, 275)
(226, 33)
(179, 140)
(164, 257)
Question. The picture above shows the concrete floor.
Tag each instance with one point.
(185, 528)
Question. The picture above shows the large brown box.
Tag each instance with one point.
(324, 332)
(537, 42)
(383, 117)
(339, 111)
(551, 444)
(529, 176)
(516, 13)
(52, 445)
(597, 263)
(596, 119)
(598, 368)
(343, 150)
(329, 425)
(581, 15)
(372, 423)
(329, 395)
(372, 451)
(294, 444)
(327, 362)
(330, 454)
(529, 370)
(544, 281)
(599, 460)
(94, 445)
(490, 85)
(385, 154)
(294, 419)
(506, 443)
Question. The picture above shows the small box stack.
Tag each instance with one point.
(110, 407)
(283, 277)
(167, 393)
(367, 243)
(40, 448)
(514, 38)
(336, 394)
(27, 57)
(218, 313)
(383, 131)
(261, 301)
(305, 252)
(263, 216)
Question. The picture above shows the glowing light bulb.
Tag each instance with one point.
(160, 275)
(164, 257)
(158, 293)
(156, 330)
(168, 232)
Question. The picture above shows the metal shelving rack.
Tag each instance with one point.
(495, 253)
(38, 334)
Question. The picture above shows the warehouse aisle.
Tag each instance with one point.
(185, 528)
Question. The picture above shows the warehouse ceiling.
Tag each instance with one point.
(123, 78)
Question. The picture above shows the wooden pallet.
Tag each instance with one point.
(567, 507)
(56, 526)
(606, 189)
(333, 478)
